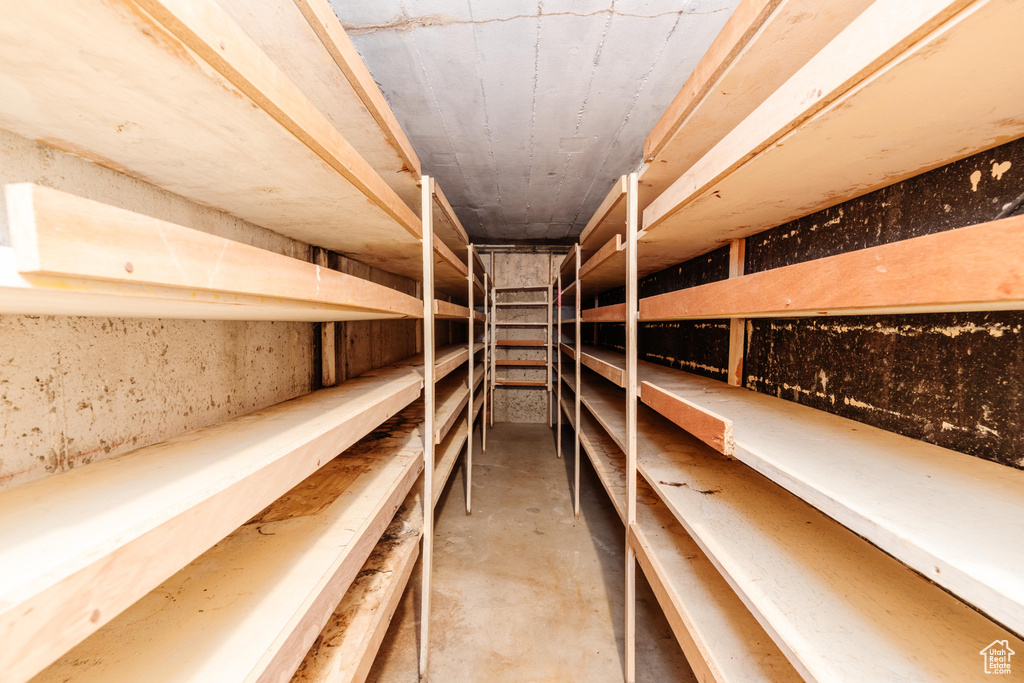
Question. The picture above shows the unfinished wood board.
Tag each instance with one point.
(306, 41)
(607, 221)
(721, 639)
(520, 342)
(568, 262)
(568, 350)
(605, 362)
(520, 382)
(444, 310)
(839, 608)
(451, 395)
(521, 363)
(523, 304)
(106, 82)
(71, 254)
(953, 517)
(761, 46)
(260, 596)
(346, 647)
(614, 313)
(871, 109)
(511, 323)
(605, 270)
(448, 450)
(82, 546)
(447, 226)
(967, 269)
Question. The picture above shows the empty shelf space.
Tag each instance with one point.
(520, 382)
(521, 363)
(721, 639)
(75, 256)
(261, 595)
(976, 268)
(348, 644)
(69, 540)
(940, 511)
(250, 143)
(451, 395)
(837, 606)
(758, 177)
(447, 452)
(520, 342)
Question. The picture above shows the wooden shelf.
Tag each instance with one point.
(520, 383)
(877, 113)
(107, 85)
(615, 313)
(835, 605)
(523, 304)
(977, 268)
(524, 288)
(607, 221)
(444, 310)
(500, 323)
(69, 540)
(605, 362)
(348, 644)
(448, 451)
(760, 47)
(721, 639)
(606, 269)
(569, 262)
(939, 511)
(261, 595)
(451, 396)
(75, 256)
(520, 342)
(306, 41)
(569, 349)
(521, 363)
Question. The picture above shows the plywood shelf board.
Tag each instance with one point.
(758, 176)
(521, 363)
(523, 304)
(607, 221)
(605, 270)
(444, 310)
(939, 511)
(249, 143)
(510, 323)
(975, 268)
(614, 313)
(569, 261)
(605, 362)
(306, 41)
(346, 647)
(520, 383)
(75, 256)
(451, 396)
(834, 604)
(261, 595)
(761, 46)
(520, 342)
(448, 450)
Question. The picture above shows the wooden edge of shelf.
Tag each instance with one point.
(607, 251)
(64, 244)
(449, 213)
(712, 429)
(520, 342)
(328, 28)
(520, 383)
(569, 260)
(568, 349)
(447, 258)
(974, 268)
(615, 195)
(134, 519)
(511, 363)
(348, 644)
(615, 313)
(609, 371)
(452, 394)
(213, 36)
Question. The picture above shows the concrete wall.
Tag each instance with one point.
(521, 404)
(74, 390)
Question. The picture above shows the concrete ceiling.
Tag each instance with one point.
(526, 111)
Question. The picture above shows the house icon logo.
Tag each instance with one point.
(997, 657)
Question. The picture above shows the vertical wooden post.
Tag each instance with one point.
(428, 417)
(549, 339)
(472, 367)
(558, 358)
(487, 365)
(494, 310)
(328, 355)
(737, 257)
(576, 431)
(632, 392)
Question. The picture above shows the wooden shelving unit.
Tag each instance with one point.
(518, 304)
(262, 593)
(286, 129)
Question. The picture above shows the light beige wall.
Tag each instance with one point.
(521, 404)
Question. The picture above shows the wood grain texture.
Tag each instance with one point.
(346, 647)
(840, 111)
(609, 219)
(81, 547)
(262, 594)
(967, 269)
(614, 313)
(83, 248)
(761, 46)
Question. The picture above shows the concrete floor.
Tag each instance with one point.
(522, 590)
